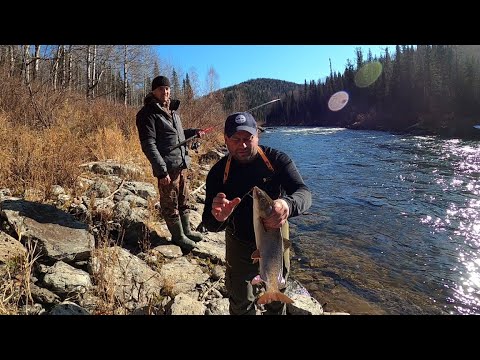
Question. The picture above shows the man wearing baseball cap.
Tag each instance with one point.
(227, 206)
(160, 129)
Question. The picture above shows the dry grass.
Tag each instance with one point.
(36, 157)
(104, 281)
(15, 286)
(10, 287)
(44, 140)
(168, 287)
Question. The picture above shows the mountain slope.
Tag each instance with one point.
(252, 93)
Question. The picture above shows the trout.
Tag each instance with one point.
(269, 252)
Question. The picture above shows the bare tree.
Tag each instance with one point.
(36, 62)
(212, 80)
(126, 64)
(89, 70)
(136, 62)
(5, 58)
(68, 68)
(97, 60)
(26, 64)
(11, 49)
(55, 65)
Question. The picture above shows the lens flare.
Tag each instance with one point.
(368, 74)
(338, 101)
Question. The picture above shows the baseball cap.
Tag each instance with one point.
(240, 121)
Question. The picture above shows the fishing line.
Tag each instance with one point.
(235, 208)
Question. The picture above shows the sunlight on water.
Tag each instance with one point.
(306, 131)
(419, 138)
(468, 291)
(395, 220)
(464, 215)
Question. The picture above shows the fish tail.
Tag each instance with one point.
(268, 297)
(255, 256)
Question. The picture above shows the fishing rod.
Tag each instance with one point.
(192, 137)
(212, 127)
(259, 106)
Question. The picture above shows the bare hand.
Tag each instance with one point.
(201, 133)
(279, 215)
(222, 208)
(164, 181)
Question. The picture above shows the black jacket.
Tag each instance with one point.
(158, 132)
(285, 183)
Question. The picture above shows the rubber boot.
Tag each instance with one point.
(178, 237)
(192, 235)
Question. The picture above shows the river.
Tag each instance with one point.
(394, 227)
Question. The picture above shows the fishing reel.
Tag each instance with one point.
(195, 145)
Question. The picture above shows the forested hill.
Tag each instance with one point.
(252, 93)
(428, 89)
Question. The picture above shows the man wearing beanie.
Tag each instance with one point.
(159, 129)
(229, 207)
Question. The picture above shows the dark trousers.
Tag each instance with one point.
(174, 197)
(240, 270)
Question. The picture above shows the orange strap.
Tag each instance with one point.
(227, 169)
(229, 161)
(265, 159)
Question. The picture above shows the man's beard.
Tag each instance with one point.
(246, 160)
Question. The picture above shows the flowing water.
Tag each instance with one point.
(394, 227)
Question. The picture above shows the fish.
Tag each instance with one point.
(269, 252)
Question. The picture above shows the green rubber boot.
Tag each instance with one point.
(178, 237)
(192, 235)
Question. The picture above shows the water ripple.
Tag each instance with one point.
(396, 228)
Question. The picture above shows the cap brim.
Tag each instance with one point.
(251, 130)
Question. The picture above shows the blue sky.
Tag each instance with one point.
(237, 63)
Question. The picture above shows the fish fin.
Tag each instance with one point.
(268, 297)
(264, 228)
(285, 231)
(256, 280)
(255, 256)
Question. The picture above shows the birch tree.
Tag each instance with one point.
(26, 64)
(212, 80)
(97, 58)
(36, 62)
(136, 62)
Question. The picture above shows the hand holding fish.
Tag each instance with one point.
(278, 216)
(222, 208)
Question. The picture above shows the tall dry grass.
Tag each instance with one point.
(36, 156)
(15, 291)
(45, 136)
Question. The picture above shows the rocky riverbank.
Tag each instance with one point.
(106, 251)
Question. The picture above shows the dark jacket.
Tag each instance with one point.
(285, 183)
(158, 132)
